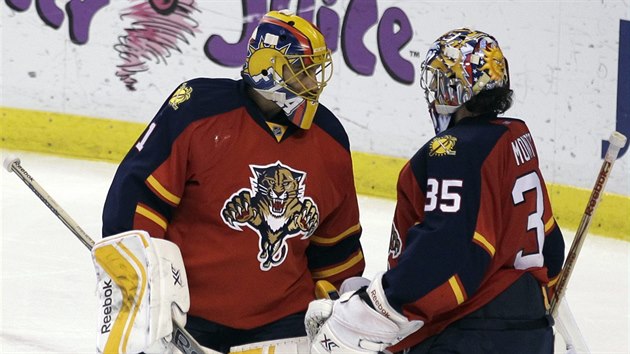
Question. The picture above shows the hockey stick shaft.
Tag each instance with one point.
(569, 330)
(12, 164)
(617, 141)
(181, 338)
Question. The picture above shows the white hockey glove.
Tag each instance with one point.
(319, 311)
(355, 327)
(353, 284)
(141, 288)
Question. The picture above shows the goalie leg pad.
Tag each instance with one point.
(141, 288)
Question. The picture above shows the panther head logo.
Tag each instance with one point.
(395, 242)
(275, 208)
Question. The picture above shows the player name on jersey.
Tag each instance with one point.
(523, 148)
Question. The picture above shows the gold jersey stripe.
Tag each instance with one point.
(484, 242)
(332, 240)
(163, 192)
(457, 291)
(149, 214)
(545, 298)
(340, 268)
(553, 281)
(549, 224)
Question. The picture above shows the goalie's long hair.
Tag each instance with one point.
(496, 100)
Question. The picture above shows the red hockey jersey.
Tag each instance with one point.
(472, 215)
(259, 209)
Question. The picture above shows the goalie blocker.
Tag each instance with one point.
(141, 288)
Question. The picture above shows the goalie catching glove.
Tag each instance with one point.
(142, 288)
(359, 322)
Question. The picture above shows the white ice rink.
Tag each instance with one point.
(47, 287)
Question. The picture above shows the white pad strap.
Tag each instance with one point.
(141, 288)
(297, 345)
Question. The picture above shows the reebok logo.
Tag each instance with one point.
(107, 307)
(377, 304)
(599, 186)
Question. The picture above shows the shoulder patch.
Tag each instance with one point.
(181, 95)
(442, 145)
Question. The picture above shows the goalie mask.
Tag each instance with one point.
(288, 63)
(459, 65)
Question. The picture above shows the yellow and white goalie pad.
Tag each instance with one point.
(141, 288)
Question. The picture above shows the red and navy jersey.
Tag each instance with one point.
(472, 215)
(259, 209)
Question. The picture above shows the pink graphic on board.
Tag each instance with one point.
(158, 28)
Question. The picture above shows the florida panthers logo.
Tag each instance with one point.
(395, 242)
(443, 145)
(275, 208)
(181, 95)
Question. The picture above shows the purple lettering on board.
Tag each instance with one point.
(360, 16)
(328, 23)
(306, 9)
(622, 123)
(18, 5)
(279, 4)
(49, 13)
(394, 32)
(227, 54)
(223, 53)
(161, 26)
(80, 15)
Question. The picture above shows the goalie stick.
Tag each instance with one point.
(559, 309)
(617, 141)
(181, 338)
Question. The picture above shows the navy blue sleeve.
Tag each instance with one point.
(192, 100)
